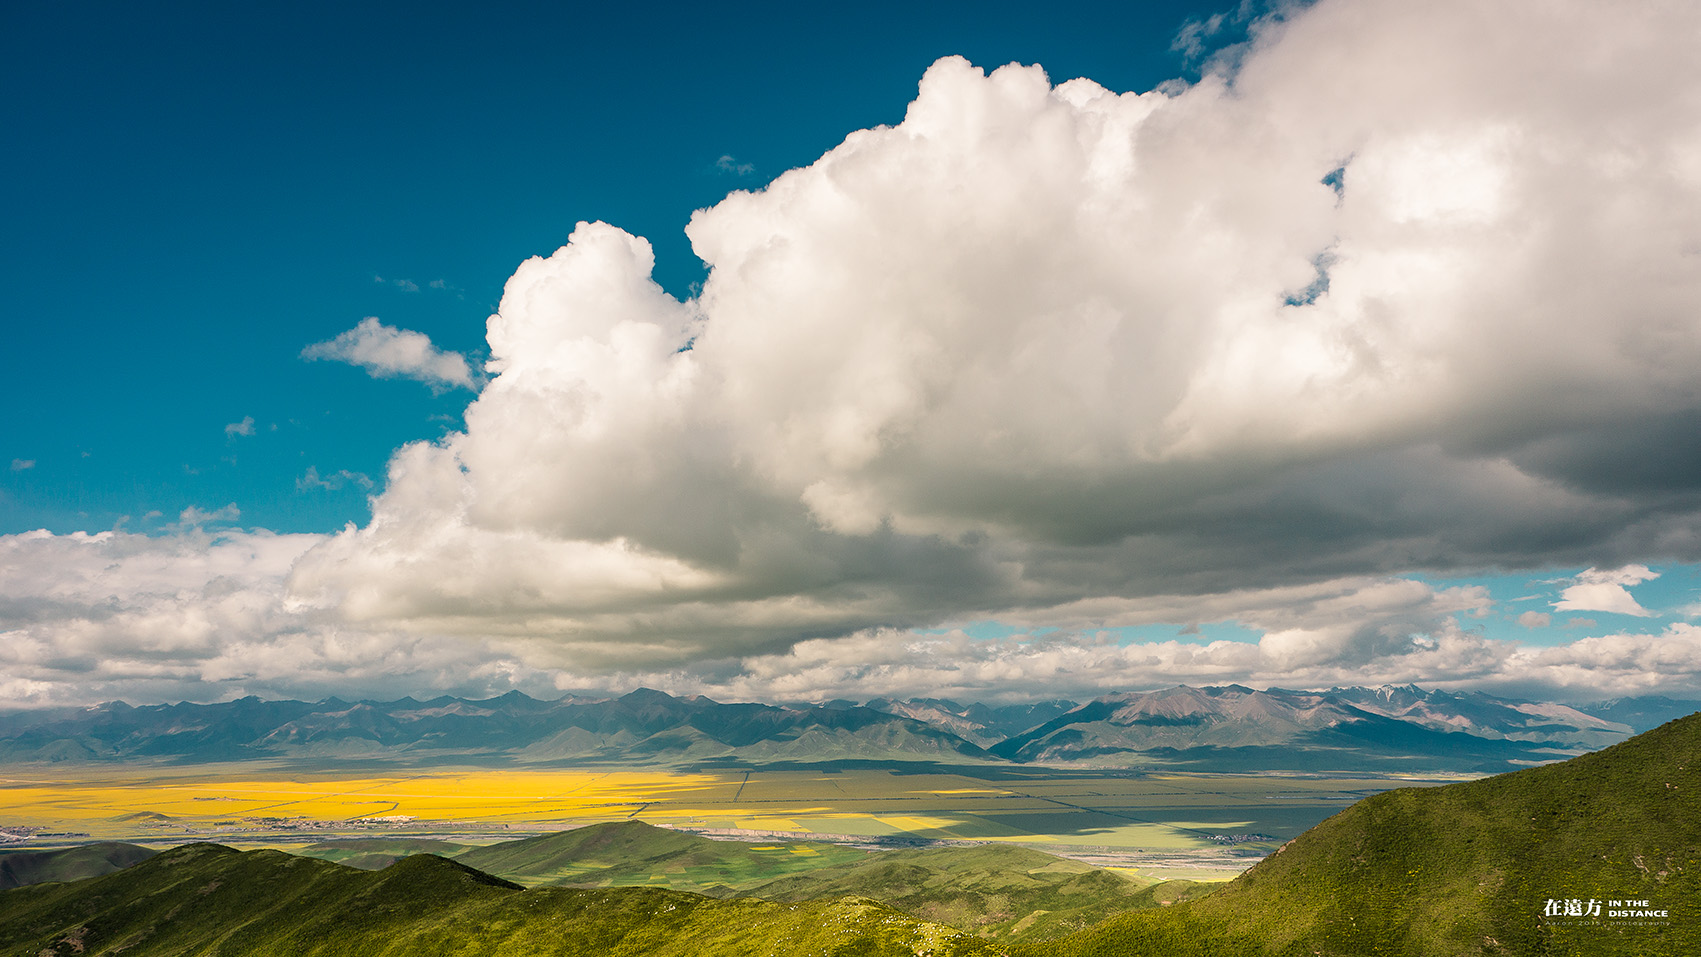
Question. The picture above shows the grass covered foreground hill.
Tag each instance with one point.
(999, 892)
(1537, 862)
(204, 899)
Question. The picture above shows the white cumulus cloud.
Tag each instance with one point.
(388, 352)
(1607, 590)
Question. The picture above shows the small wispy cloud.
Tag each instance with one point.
(19, 465)
(731, 164)
(1194, 37)
(405, 285)
(332, 481)
(1535, 619)
(195, 517)
(388, 352)
(245, 427)
(410, 285)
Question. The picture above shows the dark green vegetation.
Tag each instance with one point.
(21, 868)
(1465, 869)
(995, 891)
(204, 899)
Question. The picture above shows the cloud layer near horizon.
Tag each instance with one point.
(1411, 288)
(203, 615)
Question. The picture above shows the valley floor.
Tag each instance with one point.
(1165, 825)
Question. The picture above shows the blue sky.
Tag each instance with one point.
(988, 382)
(200, 191)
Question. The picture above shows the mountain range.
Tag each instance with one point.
(643, 727)
(1387, 728)
(1220, 728)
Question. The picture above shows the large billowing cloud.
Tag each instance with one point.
(1413, 287)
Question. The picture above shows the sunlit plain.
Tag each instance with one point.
(1160, 814)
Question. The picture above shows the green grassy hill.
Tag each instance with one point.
(996, 891)
(1467, 869)
(21, 868)
(631, 853)
(377, 853)
(204, 899)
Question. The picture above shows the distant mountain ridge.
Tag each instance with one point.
(983, 724)
(1218, 728)
(1367, 729)
(1644, 713)
(1486, 716)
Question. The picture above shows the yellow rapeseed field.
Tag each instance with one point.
(1167, 813)
(108, 804)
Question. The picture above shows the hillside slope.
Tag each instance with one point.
(629, 853)
(1486, 867)
(204, 899)
(22, 868)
